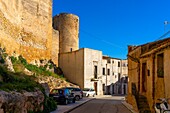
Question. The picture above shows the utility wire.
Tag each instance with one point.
(95, 37)
(165, 34)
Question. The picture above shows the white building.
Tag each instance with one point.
(88, 68)
(114, 75)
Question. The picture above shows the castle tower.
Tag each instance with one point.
(68, 27)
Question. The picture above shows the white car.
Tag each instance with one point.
(89, 92)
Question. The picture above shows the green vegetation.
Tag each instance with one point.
(18, 82)
(49, 105)
(20, 63)
(3, 56)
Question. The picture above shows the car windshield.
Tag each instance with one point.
(57, 91)
(92, 89)
(86, 89)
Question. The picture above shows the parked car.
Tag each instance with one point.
(63, 96)
(89, 92)
(78, 93)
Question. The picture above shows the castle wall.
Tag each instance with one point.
(55, 47)
(26, 28)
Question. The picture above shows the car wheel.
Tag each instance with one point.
(93, 95)
(88, 95)
(66, 101)
(77, 98)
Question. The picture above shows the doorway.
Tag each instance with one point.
(124, 89)
(144, 77)
(95, 87)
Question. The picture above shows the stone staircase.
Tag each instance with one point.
(143, 105)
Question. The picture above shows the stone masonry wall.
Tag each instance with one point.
(55, 47)
(26, 28)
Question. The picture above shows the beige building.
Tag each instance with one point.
(89, 69)
(82, 67)
(149, 74)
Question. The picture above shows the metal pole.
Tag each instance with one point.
(106, 78)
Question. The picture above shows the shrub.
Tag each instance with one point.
(13, 59)
(22, 60)
(17, 81)
(51, 66)
(2, 61)
(49, 105)
(18, 67)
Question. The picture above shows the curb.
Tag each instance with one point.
(128, 106)
(78, 106)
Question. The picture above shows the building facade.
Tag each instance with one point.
(149, 73)
(82, 67)
(88, 68)
(114, 75)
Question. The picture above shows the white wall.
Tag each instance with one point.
(91, 58)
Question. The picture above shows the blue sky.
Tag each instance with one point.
(111, 25)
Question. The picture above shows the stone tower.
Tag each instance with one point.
(68, 27)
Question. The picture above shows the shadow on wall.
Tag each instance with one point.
(118, 88)
(142, 103)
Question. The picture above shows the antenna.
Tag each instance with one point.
(165, 24)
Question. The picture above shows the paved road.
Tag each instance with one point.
(64, 108)
(102, 105)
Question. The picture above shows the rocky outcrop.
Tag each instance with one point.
(15, 102)
(54, 82)
(26, 28)
(9, 64)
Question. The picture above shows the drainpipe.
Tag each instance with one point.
(106, 78)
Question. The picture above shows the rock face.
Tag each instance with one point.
(9, 64)
(54, 82)
(14, 102)
(26, 28)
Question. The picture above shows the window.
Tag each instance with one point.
(108, 71)
(113, 73)
(77, 89)
(113, 61)
(103, 71)
(118, 64)
(160, 65)
(95, 72)
(92, 90)
(108, 61)
(125, 65)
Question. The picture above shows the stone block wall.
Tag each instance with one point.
(26, 28)
(55, 47)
